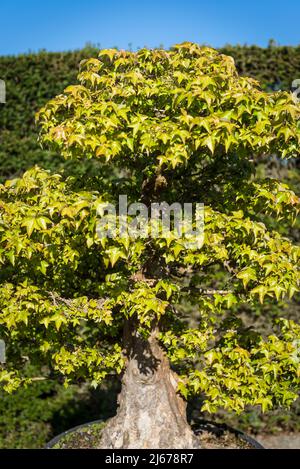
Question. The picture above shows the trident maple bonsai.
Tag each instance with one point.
(166, 126)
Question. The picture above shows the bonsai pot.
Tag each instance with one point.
(211, 435)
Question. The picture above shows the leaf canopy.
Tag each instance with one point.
(175, 126)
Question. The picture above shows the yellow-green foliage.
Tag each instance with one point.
(178, 125)
(32, 79)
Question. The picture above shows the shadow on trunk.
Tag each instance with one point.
(150, 414)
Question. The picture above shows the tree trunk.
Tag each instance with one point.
(151, 414)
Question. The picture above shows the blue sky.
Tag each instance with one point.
(57, 25)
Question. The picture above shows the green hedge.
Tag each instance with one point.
(32, 416)
(275, 67)
(32, 79)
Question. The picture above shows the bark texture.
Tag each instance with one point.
(151, 414)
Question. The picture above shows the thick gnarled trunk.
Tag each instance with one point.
(151, 414)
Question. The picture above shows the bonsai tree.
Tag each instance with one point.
(178, 126)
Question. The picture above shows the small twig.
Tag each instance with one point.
(53, 298)
(229, 268)
(203, 291)
(57, 301)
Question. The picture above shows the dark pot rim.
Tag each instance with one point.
(224, 427)
(57, 438)
(238, 433)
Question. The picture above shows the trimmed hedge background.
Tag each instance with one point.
(31, 80)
